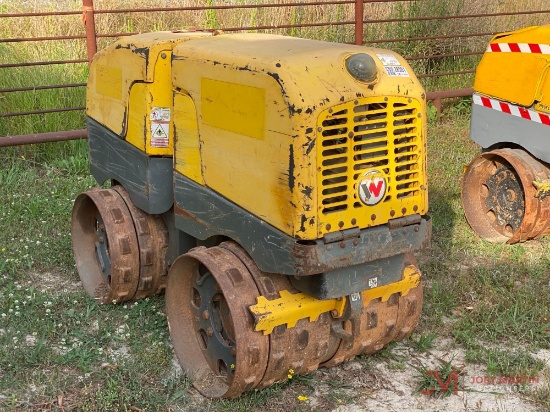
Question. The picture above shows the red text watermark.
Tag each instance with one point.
(504, 380)
(454, 382)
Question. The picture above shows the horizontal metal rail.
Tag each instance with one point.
(45, 111)
(45, 38)
(43, 137)
(40, 14)
(424, 38)
(457, 16)
(48, 63)
(436, 97)
(227, 7)
(356, 18)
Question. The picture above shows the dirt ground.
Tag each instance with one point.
(396, 384)
(389, 384)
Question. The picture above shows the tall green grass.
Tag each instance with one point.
(427, 57)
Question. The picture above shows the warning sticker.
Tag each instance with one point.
(160, 133)
(392, 66)
(396, 71)
(388, 59)
(161, 114)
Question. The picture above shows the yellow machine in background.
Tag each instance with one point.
(505, 189)
(275, 186)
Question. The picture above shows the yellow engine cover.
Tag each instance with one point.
(520, 58)
(266, 107)
(129, 89)
(277, 125)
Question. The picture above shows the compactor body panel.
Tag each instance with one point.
(280, 126)
(275, 187)
(512, 92)
(128, 80)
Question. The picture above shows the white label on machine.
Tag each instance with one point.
(373, 282)
(388, 59)
(396, 71)
(161, 114)
(392, 66)
(160, 133)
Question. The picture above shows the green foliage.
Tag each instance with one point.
(211, 17)
(504, 362)
(439, 383)
(424, 343)
(541, 394)
(431, 113)
(36, 100)
(461, 107)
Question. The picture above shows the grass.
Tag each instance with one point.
(427, 57)
(57, 345)
(439, 383)
(58, 349)
(424, 342)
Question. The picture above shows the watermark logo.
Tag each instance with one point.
(447, 384)
(443, 386)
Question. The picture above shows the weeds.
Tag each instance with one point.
(424, 343)
(503, 362)
(439, 383)
(541, 394)
(55, 340)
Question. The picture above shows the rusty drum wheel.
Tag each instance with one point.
(152, 237)
(498, 196)
(381, 322)
(300, 349)
(105, 246)
(208, 294)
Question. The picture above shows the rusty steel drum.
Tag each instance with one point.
(208, 295)
(498, 196)
(119, 250)
(152, 237)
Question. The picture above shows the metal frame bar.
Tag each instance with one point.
(359, 23)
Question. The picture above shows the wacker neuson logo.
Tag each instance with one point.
(372, 187)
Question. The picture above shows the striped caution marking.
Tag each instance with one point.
(518, 48)
(511, 109)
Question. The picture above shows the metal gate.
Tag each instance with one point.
(43, 70)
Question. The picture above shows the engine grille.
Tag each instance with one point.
(382, 134)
